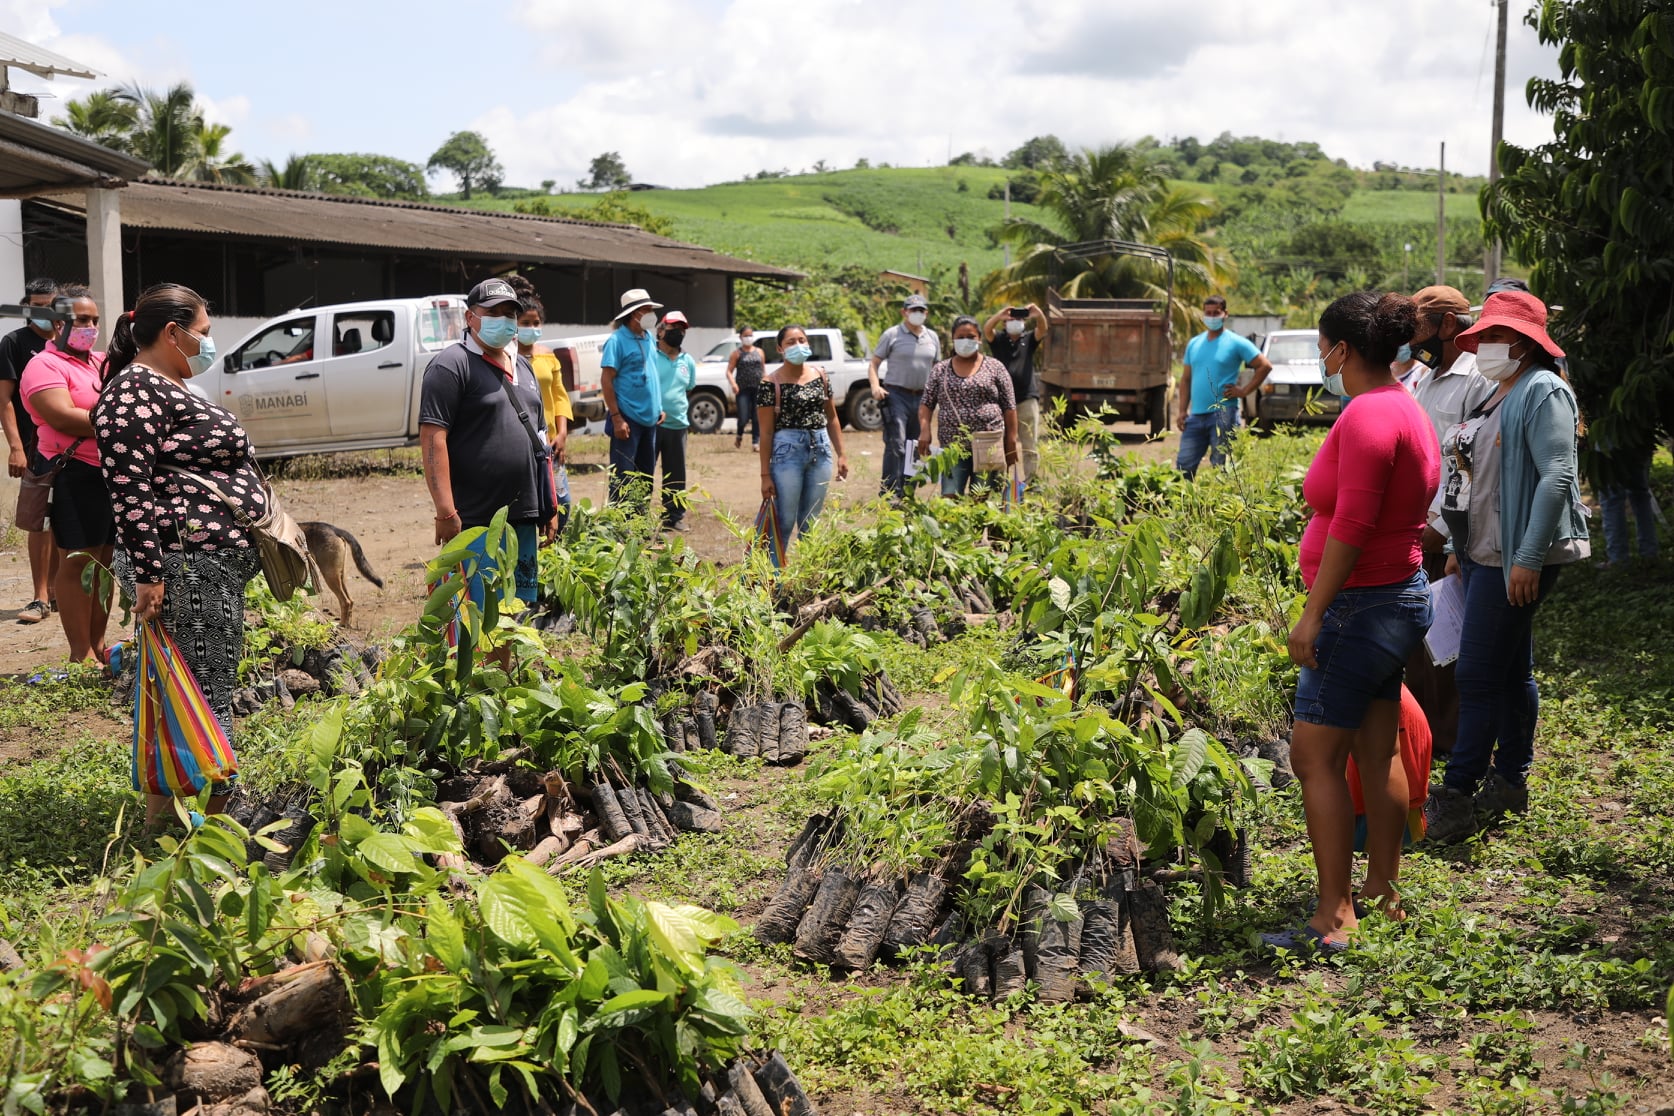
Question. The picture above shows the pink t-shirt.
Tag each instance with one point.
(54, 368)
(1371, 485)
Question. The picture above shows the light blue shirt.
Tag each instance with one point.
(638, 395)
(1215, 363)
(678, 375)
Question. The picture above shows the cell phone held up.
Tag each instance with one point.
(1020, 313)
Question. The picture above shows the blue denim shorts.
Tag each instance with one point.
(1364, 643)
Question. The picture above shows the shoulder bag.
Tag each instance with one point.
(286, 561)
(988, 451)
(548, 499)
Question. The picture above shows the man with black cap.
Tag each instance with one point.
(480, 423)
(909, 350)
(633, 396)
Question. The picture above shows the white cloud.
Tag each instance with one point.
(766, 84)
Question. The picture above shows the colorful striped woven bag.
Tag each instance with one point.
(179, 746)
(769, 534)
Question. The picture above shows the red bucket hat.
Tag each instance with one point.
(1517, 310)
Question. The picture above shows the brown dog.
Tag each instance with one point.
(332, 548)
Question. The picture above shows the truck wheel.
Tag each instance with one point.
(705, 411)
(864, 413)
(1156, 411)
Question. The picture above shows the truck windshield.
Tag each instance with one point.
(1297, 348)
(441, 323)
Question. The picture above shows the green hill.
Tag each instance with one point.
(903, 219)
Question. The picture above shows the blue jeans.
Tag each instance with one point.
(748, 415)
(1616, 502)
(962, 477)
(1365, 640)
(1208, 432)
(1498, 698)
(900, 425)
(632, 461)
(801, 467)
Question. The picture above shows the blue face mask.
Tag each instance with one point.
(528, 335)
(1212, 324)
(496, 333)
(202, 360)
(1333, 380)
(1403, 354)
(798, 353)
(42, 324)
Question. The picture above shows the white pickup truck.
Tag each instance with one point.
(342, 378)
(712, 400)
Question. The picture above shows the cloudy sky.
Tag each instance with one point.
(697, 91)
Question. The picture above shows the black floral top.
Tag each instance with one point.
(801, 406)
(147, 426)
(965, 403)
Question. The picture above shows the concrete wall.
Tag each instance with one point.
(12, 276)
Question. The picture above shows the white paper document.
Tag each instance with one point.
(1447, 597)
(910, 464)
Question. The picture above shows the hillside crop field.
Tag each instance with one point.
(971, 809)
(901, 219)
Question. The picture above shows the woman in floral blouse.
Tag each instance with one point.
(180, 550)
(968, 392)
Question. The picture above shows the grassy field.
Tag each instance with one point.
(902, 219)
(1402, 206)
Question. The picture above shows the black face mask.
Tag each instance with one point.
(1428, 352)
(674, 338)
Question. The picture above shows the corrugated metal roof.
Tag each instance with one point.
(35, 158)
(292, 216)
(39, 60)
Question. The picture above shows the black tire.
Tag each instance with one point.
(862, 411)
(705, 411)
(1156, 411)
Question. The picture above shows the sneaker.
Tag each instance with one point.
(1500, 796)
(1449, 815)
(33, 613)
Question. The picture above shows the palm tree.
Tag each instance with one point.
(166, 127)
(298, 173)
(1113, 193)
(103, 117)
(208, 164)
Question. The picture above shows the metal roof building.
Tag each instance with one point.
(257, 252)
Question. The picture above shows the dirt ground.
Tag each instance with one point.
(383, 502)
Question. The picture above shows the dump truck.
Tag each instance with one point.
(1113, 354)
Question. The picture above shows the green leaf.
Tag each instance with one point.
(389, 852)
(444, 934)
(1059, 590)
(629, 1001)
(1064, 908)
(1189, 756)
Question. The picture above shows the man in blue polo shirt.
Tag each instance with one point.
(633, 396)
(1209, 388)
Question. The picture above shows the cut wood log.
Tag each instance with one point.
(208, 1072)
(584, 845)
(312, 1001)
(627, 846)
(548, 849)
(488, 793)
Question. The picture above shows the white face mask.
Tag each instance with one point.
(966, 346)
(1495, 361)
(1014, 327)
(648, 321)
(916, 318)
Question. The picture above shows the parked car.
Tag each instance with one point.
(1294, 354)
(334, 379)
(712, 400)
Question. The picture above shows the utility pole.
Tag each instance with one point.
(1441, 216)
(1492, 250)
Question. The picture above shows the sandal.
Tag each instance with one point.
(33, 612)
(1304, 939)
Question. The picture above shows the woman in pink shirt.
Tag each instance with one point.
(1368, 607)
(59, 387)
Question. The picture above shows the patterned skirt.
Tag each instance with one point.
(203, 610)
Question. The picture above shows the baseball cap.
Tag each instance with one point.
(491, 292)
(1441, 299)
(676, 318)
(916, 302)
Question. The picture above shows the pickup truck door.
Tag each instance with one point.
(273, 384)
(369, 372)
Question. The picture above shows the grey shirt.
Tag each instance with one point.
(492, 464)
(1449, 395)
(907, 357)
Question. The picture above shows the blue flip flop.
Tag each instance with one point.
(1303, 939)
